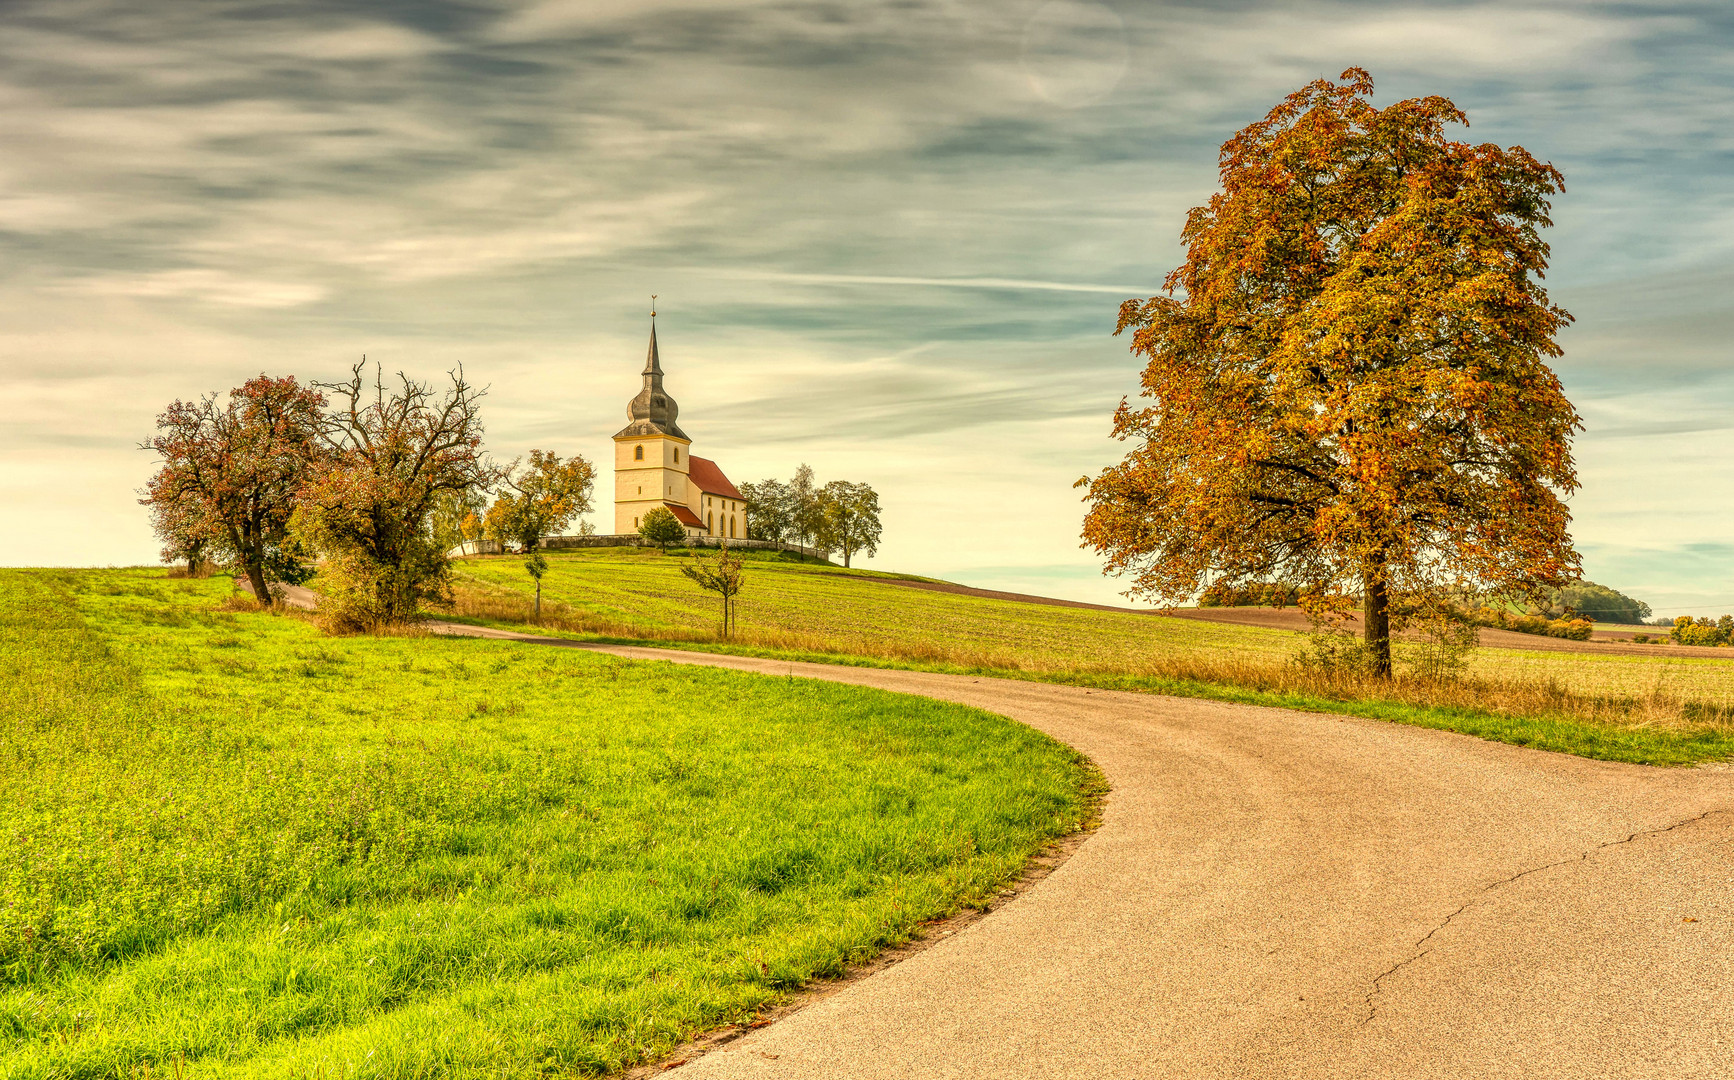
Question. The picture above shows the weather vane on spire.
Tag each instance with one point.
(653, 305)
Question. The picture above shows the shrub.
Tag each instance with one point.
(1276, 594)
(1690, 631)
(1571, 629)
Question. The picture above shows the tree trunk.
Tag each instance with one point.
(256, 578)
(538, 600)
(1376, 617)
(254, 569)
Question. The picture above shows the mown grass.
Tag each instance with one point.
(1652, 710)
(240, 849)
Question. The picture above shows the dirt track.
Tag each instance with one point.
(1278, 894)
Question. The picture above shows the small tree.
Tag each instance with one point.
(367, 503)
(541, 500)
(661, 527)
(848, 518)
(806, 517)
(229, 479)
(537, 565)
(723, 574)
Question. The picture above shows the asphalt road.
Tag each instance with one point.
(1281, 894)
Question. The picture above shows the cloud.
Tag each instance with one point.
(561, 18)
(1012, 284)
(361, 41)
(208, 286)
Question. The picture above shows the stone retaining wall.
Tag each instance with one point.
(560, 543)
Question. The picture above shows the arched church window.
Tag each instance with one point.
(731, 528)
(638, 453)
(707, 527)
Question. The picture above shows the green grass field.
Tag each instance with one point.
(639, 589)
(238, 848)
(1660, 709)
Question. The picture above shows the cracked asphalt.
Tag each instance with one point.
(1284, 894)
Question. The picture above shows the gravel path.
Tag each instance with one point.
(1280, 894)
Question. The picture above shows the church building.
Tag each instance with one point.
(654, 466)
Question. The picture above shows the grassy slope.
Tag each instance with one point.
(830, 617)
(644, 590)
(271, 853)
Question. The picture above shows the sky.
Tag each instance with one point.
(888, 240)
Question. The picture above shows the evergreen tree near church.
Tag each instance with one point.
(662, 528)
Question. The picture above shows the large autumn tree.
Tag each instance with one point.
(230, 475)
(1347, 380)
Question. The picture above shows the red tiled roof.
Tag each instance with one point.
(685, 515)
(710, 479)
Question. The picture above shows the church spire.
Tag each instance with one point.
(652, 412)
(653, 363)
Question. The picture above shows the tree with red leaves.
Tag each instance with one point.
(230, 476)
(367, 504)
(1351, 392)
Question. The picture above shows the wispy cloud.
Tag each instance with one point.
(211, 286)
(1012, 284)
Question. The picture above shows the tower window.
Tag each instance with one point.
(638, 453)
(677, 455)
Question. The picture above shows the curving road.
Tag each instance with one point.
(1283, 894)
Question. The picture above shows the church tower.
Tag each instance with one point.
(654, 466)
(651, 459)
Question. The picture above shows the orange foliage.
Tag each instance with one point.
(1350, 391)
